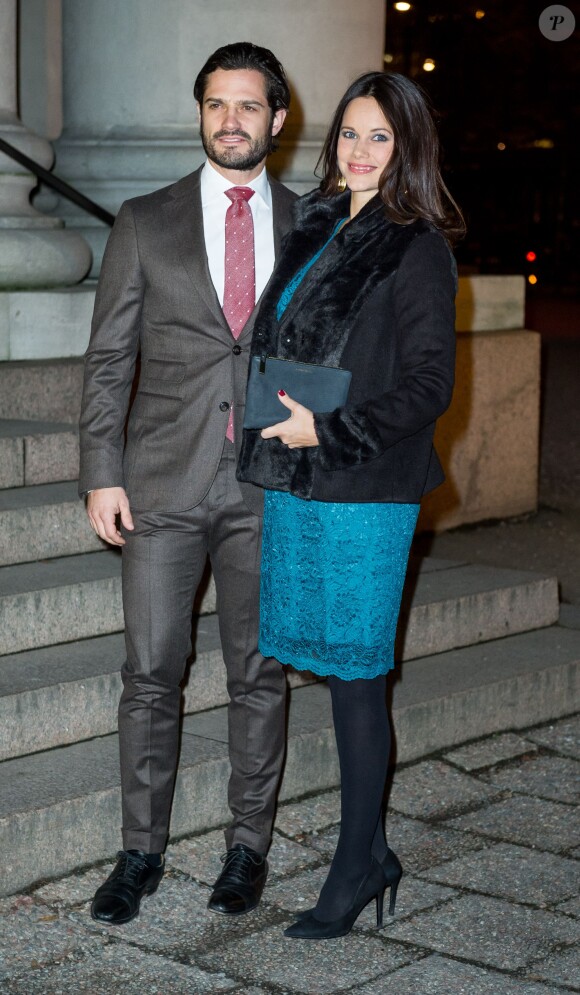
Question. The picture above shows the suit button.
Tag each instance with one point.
(224, 406)
(237, 350)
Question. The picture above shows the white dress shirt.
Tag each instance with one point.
(214, 206)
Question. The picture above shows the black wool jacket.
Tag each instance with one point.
(380, 301)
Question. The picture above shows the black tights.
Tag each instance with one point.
(363, 739)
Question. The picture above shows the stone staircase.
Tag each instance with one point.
(483, 651)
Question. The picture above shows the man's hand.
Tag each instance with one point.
(103, 506)
(298, 430)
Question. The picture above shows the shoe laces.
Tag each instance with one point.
(131, 867)
(237, 864)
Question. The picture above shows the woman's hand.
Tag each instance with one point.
(298, 430)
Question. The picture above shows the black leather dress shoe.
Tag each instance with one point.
(119, 897)
(241, 883)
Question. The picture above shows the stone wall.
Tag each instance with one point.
(488, 440)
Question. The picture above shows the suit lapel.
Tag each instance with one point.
(282, 211)
(185, 217)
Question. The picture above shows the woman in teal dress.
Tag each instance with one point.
(366, 281)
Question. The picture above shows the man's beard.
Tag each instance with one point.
(235, 158)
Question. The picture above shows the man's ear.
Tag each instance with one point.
(278, 120)
(198, 109)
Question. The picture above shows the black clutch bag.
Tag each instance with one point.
(320, 388)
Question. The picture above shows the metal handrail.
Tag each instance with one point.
(57, 184)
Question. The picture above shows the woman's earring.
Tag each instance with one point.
(341, 184)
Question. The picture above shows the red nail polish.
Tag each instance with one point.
(282, 393)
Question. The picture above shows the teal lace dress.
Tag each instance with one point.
(332, 575)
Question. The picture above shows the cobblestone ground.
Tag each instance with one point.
(489, 904)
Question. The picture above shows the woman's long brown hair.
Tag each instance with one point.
(411, 185)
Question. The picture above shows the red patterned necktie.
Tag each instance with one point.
(239, 269)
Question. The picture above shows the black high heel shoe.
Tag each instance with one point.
(372, 886)
(393, 873)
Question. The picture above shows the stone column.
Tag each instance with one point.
(35, 250)
(129, 116)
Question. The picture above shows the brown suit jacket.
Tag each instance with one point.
(155, 299)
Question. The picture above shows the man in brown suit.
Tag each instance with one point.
(174, 289)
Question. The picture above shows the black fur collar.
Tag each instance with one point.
(317, 321)
(314, 212)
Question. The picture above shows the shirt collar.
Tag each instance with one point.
(213, 185)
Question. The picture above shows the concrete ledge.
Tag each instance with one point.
(511, 683)
(52, 602)
(68, 693)
(488, 303)
(11, 462)
(51, 458)
(37, 523)
(467, 605)
(49, 324)
(41, 390)
(45, 324)
(488, 440)
(65, 599)
(37, 452)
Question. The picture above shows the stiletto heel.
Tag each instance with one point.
(380, 900)
(393, 897)
(372, 886)
(393, 872)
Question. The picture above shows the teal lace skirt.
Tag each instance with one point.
(332, 580)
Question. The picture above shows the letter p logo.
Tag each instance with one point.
(557, 22)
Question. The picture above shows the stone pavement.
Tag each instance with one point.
(489, 905)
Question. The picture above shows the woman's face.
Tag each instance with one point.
(365, 146)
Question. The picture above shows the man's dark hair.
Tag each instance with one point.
(246, 55)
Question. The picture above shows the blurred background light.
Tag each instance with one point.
(498, 87)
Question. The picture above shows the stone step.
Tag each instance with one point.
(447, 604)
(60, 600)
(43, 390)
(67, 693)
(55, 694)
(37, 452)
(68, 598)
(37, 523)
(61, 809)
(78, 685)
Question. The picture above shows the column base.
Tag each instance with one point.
(33, 258)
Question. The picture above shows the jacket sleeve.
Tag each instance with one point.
(424, 308)
(110, 358)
